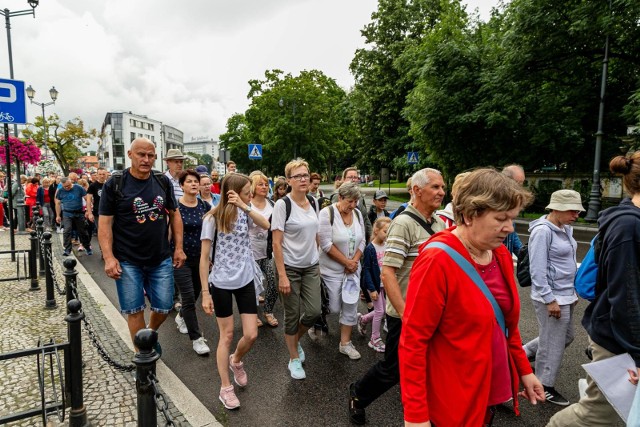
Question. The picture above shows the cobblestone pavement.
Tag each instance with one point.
(109, 395)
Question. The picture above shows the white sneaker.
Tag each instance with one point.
(349, 350)
(200, 346)
(182, 326)
(312, 334)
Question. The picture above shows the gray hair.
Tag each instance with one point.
(63, 180)
(421, 178)
(511, 169)
(349, 191)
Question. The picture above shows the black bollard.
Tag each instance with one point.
(51, 299)
(78, 415)
(145, 361)
(40, 230)
(70, 279)
(33, 267)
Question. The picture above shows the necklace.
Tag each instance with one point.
(483, 258)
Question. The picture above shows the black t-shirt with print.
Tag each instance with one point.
(192, 228)
(140, 226)
(95, 189)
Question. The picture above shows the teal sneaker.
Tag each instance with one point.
(301, 354)
(297, 372)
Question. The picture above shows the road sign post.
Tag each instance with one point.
(13, 109)
(255, 151)
(412, 157)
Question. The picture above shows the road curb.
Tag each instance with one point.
(184, 400)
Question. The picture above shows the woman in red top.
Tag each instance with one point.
(456, 362)
(30, 197)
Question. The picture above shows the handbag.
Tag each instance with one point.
(475, 277)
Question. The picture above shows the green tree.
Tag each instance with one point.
(382, 83)
(206, 160)
(64, 140)
(291, 116)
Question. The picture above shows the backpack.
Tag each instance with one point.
(323, 202)
(522, 265)
(587, 274)
(287, 203)
(118, 182)
(270, 234)
(332, 214)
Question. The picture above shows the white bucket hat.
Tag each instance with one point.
(565, 200)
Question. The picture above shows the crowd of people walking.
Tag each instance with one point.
(439, 282)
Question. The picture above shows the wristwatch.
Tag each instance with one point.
(249, 209)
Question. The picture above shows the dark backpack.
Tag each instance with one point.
(287, 204)
(522, 267)
(118, 182)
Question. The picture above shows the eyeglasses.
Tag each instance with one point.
(300, 177)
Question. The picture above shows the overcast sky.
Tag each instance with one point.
(186, 63)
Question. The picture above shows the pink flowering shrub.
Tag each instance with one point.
(25, 151)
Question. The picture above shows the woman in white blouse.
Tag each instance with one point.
(342, 241)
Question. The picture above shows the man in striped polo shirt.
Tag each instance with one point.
(408, 231)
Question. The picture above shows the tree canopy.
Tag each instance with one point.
(63, 139)
(291, 116)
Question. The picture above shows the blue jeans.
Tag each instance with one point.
(156, 282)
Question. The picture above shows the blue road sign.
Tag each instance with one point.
(255, 151)
(13, 103)
(412, 157)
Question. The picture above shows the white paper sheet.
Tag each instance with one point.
(612, 379)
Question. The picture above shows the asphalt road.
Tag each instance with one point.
(272, 398)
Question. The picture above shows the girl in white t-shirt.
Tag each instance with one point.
(231, 276)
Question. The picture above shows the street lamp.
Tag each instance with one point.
(54, 96)
(595, 196)
(281, 103)
(7, 19)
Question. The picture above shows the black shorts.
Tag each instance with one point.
(223, 301)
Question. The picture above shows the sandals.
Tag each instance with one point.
(259, 322)
(271, 320)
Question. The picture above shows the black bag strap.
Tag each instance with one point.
(420, 221)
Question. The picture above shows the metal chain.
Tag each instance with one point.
(49, 256)
(96, 341)
(161, 402)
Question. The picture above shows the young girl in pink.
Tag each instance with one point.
(373, 254)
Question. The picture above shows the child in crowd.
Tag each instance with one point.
(225, 229)
(373, 254)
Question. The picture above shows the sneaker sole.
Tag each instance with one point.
(559, 403)
(350, 357)
(225, 405)
(297, 378)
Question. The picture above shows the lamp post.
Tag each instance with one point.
(54, 96)
(7, 19)
(281, 103)
(595, 195)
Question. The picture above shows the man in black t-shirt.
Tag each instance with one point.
(133, 236)
(93, 196)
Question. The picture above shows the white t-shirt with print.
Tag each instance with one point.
(299, 247)
(258, 234)
(233, 263)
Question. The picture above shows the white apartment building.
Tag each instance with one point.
(120, 128)
(205, 145)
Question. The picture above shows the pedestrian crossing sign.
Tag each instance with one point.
(412, 157)
(255, 151)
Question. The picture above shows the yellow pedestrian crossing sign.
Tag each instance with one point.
(412, 157)
(255, 151)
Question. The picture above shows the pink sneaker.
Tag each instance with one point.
(239, 374)
(228, 397)
(377, 345)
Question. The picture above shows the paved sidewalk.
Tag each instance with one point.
(109, 395)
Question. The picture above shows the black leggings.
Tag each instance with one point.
(223, 301)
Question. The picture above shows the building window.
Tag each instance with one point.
(153, 139)
(150, 126)
(133, 136)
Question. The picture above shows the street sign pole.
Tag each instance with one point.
(7, 149)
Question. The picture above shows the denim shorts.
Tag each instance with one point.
(156, 282)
